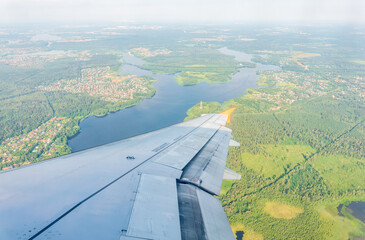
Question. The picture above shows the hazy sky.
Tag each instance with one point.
(214, 11)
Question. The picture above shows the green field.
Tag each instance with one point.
(276, 159)
(341, 172)
(278, 210)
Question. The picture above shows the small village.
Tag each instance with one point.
(39, 142)
(298, 87)
(146, 52)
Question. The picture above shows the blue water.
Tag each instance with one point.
(357, 209)
(167, 107)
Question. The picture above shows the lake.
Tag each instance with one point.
(357, 209)
(167, 107)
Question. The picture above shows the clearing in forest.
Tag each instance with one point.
(278, 210)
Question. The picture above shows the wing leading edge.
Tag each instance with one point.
(159, 185)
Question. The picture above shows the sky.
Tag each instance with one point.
(190, 11)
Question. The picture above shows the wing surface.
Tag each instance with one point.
(159, 185)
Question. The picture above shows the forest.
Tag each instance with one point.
(300, 150)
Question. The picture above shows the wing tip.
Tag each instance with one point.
(228, 112)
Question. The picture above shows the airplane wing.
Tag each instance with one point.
(159, 185)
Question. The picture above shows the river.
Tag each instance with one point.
(167, 107)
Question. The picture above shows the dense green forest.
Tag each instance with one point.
(302, 147)
(294, 159)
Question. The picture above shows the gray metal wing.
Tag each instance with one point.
(159, 185)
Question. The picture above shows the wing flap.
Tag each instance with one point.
(155, 213)
(216, 224)
(201, 215)
(230, 174)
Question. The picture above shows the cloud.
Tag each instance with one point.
(178, 10)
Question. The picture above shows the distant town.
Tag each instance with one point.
(100, 82)
(35, 57)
